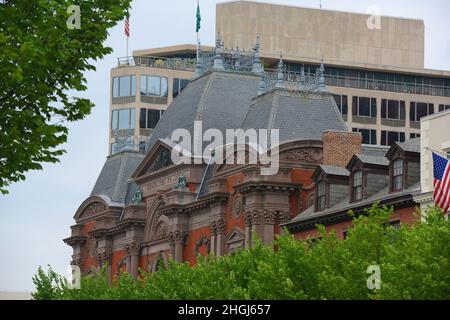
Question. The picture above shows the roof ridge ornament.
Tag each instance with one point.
(302, 82)
(280, 75)
(257, 66)
(321, 84)
(218, 58)
(262, 83)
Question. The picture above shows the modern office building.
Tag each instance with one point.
(377, 75)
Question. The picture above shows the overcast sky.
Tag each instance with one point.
(38, 213)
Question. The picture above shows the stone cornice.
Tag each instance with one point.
(196, 205)
(271, 186)
(71, 241)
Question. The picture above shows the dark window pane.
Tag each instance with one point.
(152, 118)
(373, 139)
(402, 110)
(422, 110)
(365, 136)
(355, 130)
(430, 108)
(154, 86)
(364, 107)
(383, 108)
(441, 107)
(383, 138)
(393, 109)
(412, 111)
(176, 87)
(344, 105)
(143, 118)
(355, 106)
(402, 137)
(373, 108)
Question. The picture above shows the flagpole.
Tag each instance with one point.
(437, 151)
(198, 36)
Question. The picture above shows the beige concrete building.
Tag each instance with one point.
(435, 137)
(377, 75)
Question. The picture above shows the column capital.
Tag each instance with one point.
(104, 256)
(177, 236)
(133, 248)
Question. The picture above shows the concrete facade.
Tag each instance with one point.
(338, 37)
(435, 137)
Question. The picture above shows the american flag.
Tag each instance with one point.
(127, 26)
(441, 182)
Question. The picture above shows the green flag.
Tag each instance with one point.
(199, 18)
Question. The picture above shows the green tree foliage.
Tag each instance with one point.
(42, 65)
(414, 264)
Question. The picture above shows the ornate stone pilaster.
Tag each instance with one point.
(213, 228)
(133, 252)
(104, 257)
(177, 239)
(248, 229)
(221, 233)
(78, 260)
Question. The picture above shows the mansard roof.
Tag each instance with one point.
(411, 146)
(369, 160)
(333, 170)
(219, 99)
(299, 115)
(113, 179)
(384, 196)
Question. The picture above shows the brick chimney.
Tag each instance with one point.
(339, 147)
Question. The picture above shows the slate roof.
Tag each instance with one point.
(298, 115)
(373, 150)
(411, 145)
(345, 204)
(219, 99)
(113, 179)
(380, 161)
(334, 170)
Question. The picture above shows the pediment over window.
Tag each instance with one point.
(91, 207)
(159, 157)
(235, 240)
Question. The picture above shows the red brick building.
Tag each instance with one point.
(145, 208)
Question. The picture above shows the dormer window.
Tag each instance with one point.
(397, 182)
(321, 196)
(357, 186)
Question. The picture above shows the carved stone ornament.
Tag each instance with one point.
(92, 246)
(162, 160)
(221, 226)
(94, 208)
(104, 257)
(237, 205)
(203, 241)
(305, 155)
(177, 235)
(248, 219)
(133, 249)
